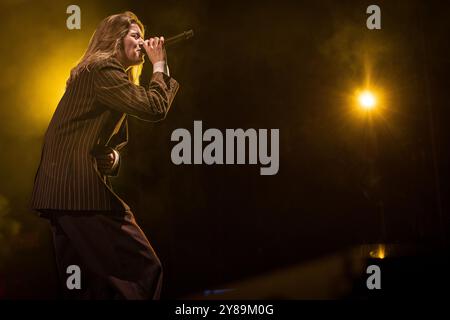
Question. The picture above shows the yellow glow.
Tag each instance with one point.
(46, 84)
(379, 253)
(367, 100)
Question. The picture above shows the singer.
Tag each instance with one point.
(93, 228)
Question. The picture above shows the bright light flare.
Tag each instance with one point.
(367, 100)
(379, 252)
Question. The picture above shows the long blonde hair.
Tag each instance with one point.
(106, 42)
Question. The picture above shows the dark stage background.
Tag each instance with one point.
(294, 65)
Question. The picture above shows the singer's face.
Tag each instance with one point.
(132, 54)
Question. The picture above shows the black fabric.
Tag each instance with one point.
(114, 255)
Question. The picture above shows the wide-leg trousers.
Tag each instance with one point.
(111, 254)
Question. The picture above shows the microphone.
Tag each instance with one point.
(178, 38)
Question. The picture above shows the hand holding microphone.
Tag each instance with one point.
(154, 47)
(160, 42)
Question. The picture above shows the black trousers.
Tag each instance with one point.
(115, 259)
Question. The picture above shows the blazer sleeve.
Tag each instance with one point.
(113, 89)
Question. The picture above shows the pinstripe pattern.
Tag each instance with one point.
(93, 112)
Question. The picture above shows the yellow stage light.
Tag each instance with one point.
(379, 252)
(367, 100)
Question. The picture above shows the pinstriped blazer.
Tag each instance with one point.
(92, 114)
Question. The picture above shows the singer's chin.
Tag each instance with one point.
(140, 61)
